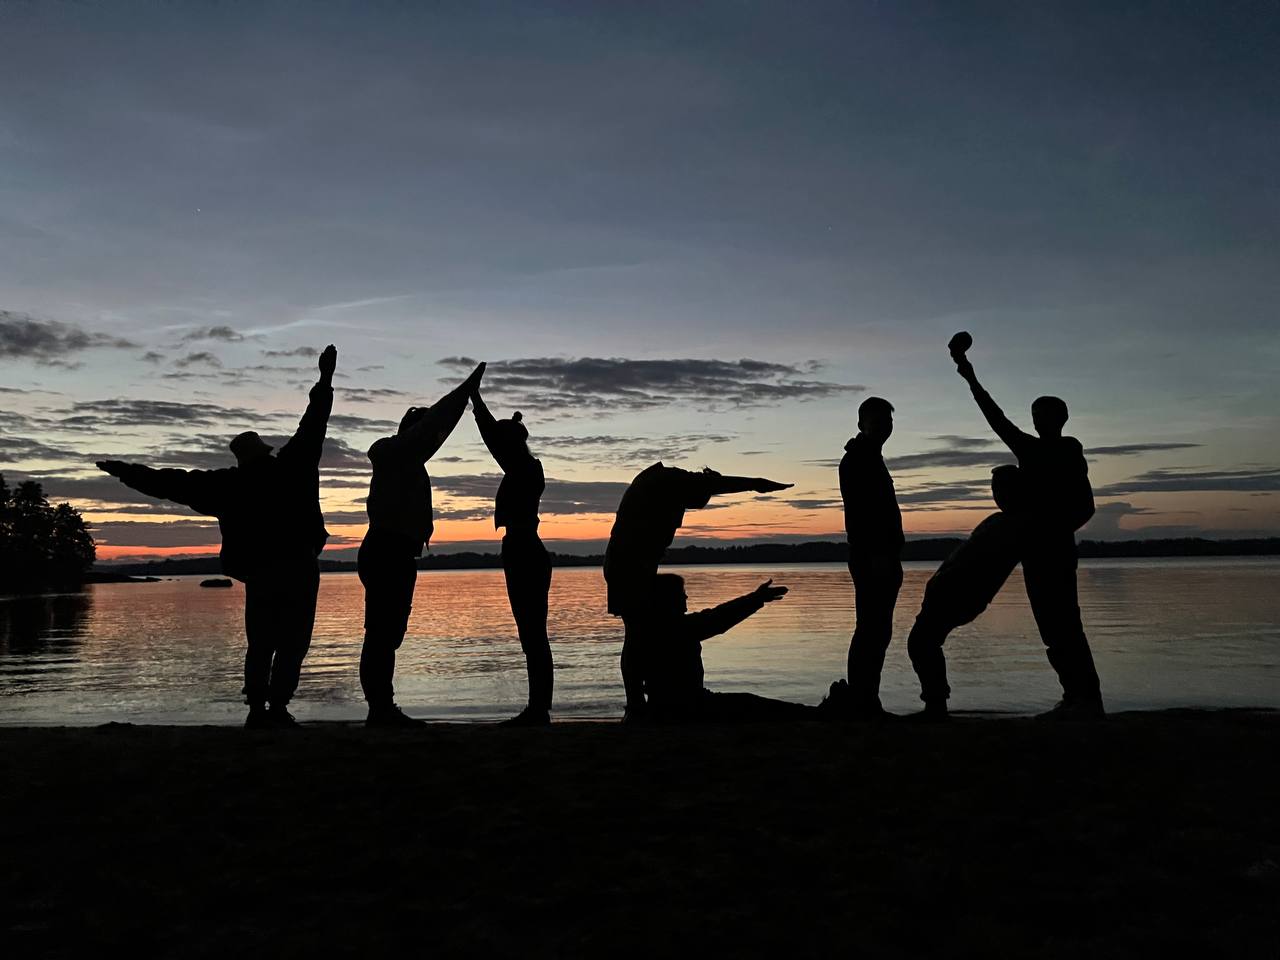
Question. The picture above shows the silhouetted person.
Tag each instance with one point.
(268, 509)
(651, 511)
(400, 527)
(965, 584)
(873, 524)
(525, 562)
(1059, 501)
(675, 674)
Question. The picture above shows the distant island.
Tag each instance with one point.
(822, 551)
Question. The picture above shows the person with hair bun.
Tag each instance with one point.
(525, 562)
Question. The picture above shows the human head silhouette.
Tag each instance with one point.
(249, 448)
(411, 416)
(669, 598)
(1006, 487)
(1049, 414)
(875, 419)
(514, 433)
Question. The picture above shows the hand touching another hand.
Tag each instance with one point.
(113, 467)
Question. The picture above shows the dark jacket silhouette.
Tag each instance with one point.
(525, 562)
(1059, 500)
(675, 678)
(966, 583)
(268, 510)
(873, 524)
(651, 511)
(400, 527)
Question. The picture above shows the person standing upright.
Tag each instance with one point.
(525, 562)
(400, 527)
(1059, 501)
(268, 509)
(873, 524)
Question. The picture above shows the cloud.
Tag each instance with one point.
(295, 352)
(16, 449)
(49, 342)
(173, 533)
(989, 452)
(1130, 449)
(223, 333)
(138, 413)
(370, 394)
(151, 356)
(630, 451)
(203, 357)
(560, 496)
(1193, 481)
(1105, 523)
(593, 382)
(347, 421)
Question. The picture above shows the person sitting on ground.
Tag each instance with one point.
(675, 677)
(965, 584)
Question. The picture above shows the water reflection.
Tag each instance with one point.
(1165, 633)
(41, 634)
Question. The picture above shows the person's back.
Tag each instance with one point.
(872, 519)
(399, 502)
(971, 576)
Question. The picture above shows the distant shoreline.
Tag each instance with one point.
(826, 551)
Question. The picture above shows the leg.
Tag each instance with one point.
(297, 617)
(528, 574)
(749, 708)
(1050, 576)
(634, 668)
(924, 647)
(259, 628)
(389, 579)
(876, 582)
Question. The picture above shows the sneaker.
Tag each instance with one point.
(1072, 710)
(529, 717)
(281, 718)
(935, 712)
(836, 703)
(391, 716)
(258, 719)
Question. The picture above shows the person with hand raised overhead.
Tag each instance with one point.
(525, 562)
(400, 528)
(268, 510)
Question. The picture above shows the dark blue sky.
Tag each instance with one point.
(831, 189)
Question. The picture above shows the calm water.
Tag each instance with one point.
(1164, 633)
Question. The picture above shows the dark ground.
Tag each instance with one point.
(1149, 835)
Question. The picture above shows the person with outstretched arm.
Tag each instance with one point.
(525, 563)
(651, 511)
(400, 528)
(964, 586)
(1059, 501)
(675, 673)
(268, 510)
(873, 525)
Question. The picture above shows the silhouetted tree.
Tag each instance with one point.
(41, 545)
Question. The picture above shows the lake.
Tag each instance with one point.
(1165, 633)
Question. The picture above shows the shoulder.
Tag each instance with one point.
(384, 447)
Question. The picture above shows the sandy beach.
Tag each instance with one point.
(1147, 834)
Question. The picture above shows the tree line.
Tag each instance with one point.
(41, 545)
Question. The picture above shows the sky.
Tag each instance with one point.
(701, 233)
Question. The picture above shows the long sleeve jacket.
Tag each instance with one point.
(516, 504)
(872, 520)
(675, 671)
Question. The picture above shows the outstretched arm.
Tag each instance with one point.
(488, 428)
(308, 441)
(722, 484)
(710, 623)
(1015, 439)
(198, 489)
(426, 436)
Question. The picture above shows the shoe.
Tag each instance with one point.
(281, 718)
(391, 716)
(934, 712)
(529, 717)
(841, 704)
(258, 719)
(1073, 710)
(836, 703)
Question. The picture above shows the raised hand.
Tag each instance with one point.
(472, 383)
(328, 361)
(965, 368)
(768, 593)
(113, 467)
(770, 486)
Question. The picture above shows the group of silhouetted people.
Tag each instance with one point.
(273, 531)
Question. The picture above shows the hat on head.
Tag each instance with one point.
(248, 445)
